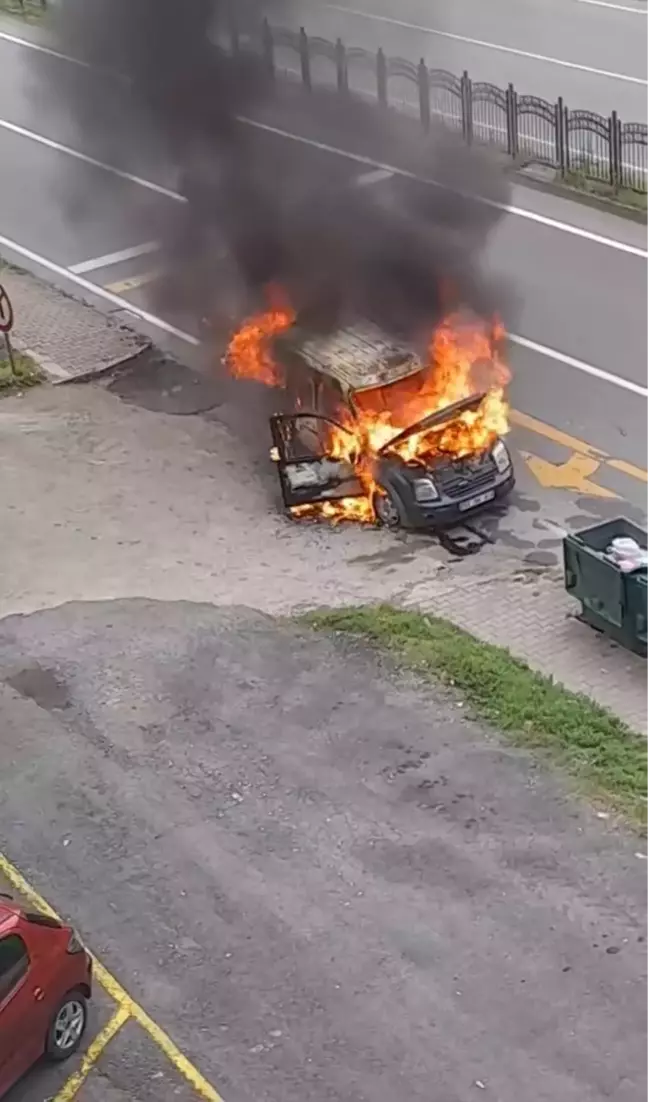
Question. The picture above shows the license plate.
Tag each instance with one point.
(478, 499)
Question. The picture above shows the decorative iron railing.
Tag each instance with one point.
(529, 129)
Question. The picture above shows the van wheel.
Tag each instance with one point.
(67, 1026)
(388, 509)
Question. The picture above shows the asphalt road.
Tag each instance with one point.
(595, 57)
(579, 294)
(318, 889)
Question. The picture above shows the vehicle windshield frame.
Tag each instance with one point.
(357, 395)
(435, 420)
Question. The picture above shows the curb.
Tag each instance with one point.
(576, 195)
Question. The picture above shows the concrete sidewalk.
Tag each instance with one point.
(531, 615)
(69, 339)
(105, 499)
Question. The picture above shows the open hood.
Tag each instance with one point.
(440, 417)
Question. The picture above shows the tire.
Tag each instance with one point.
(388, 509)
(67, 1027)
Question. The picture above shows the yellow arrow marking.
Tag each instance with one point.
(573, 444)
(574, 474)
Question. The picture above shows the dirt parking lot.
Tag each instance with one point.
(317, 876)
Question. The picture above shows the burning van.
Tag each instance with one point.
(373, 432)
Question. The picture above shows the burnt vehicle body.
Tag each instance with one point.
(326, 379)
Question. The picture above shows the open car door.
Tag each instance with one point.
(307, 471)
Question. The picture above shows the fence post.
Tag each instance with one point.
(235, 42)
(381, 77)
(467, 107)
(423, 79)
(341, 67)
(562, 137)
(616, 152)
(511, 121)
(304, 57)
(268, 49)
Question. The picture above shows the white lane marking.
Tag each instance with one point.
(519, 212)
(379, 175)
(615, 7)
(22, 132)
(486, 45)
(109, 259)
(165, 326)
(157, 322)
(587, 369)
(16, 41)
(97, 291)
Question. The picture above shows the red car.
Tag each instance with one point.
(45, 982)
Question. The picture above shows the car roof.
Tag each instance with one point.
(359, 358)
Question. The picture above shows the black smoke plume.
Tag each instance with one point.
(262, 210)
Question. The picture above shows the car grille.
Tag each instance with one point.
(465, 476)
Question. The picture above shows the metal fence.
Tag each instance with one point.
(529, 129)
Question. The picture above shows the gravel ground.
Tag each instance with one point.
(320, 877)
(104, 499)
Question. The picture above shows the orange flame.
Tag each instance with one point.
(463, 360)
(248, 353)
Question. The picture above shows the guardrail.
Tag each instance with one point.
(576, 144)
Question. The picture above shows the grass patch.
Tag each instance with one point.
(30, 10)
(638, 200)
(26, 373)
(600, 753)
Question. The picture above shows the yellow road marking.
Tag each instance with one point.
(124, 285)
(574, 474)
(113, 987)
(525, 421)
(629, 469)
(71, 1087)
(574, 469)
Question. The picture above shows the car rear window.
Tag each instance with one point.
(14, 962)
(37, 919)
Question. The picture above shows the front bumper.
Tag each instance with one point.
(445, 512)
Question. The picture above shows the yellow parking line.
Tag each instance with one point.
(113, 987)
(71, 1087)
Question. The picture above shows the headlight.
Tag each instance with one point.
(425, 490)
(501, 456)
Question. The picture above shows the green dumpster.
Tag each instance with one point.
(612, 601)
